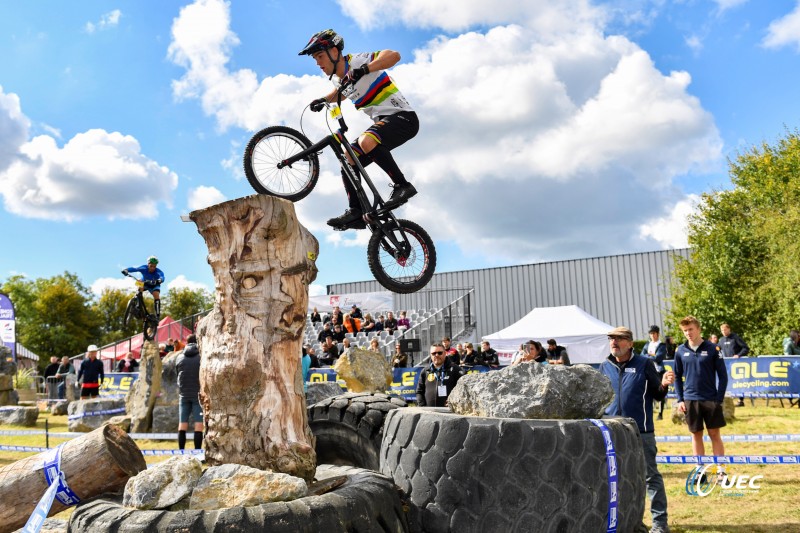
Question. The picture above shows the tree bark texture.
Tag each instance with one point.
(144, 391)
(251, 386)
(99, 462)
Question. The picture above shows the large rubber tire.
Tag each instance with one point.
(409, 272)
(467, 474)
(269, 147)
(349, 428)
(367, 501)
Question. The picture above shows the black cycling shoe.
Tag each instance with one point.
(401, 193)
(351, 219)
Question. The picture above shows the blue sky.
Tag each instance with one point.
(549, 130)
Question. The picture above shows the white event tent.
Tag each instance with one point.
(584, 336)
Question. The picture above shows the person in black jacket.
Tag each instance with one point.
(732, 345)
(92, 373)
(188, 366)
(437, 381)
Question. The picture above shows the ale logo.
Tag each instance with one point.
(701, 482)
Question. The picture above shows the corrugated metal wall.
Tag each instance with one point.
(623, 290)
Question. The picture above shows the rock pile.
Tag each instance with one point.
(87, 415)
(180, 483)
(533, 391)
(18, 415)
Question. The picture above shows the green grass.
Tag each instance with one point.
(775, 508)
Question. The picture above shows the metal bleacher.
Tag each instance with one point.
(427, 325)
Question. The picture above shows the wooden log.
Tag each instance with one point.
(250, 377)
(99, 462)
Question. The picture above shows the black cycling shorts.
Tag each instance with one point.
(393, 130)
(703, 411)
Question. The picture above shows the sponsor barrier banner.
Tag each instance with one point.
(404, 380)
(761, 377)
(117, 383)
(8, 332)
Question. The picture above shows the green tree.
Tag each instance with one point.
(745, 262)
(184, 302)
(110, 308)
(55, 315)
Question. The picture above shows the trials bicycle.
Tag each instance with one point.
(137, 310)
(281, 161)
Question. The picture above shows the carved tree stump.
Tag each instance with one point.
(250, 377)
(144, 391)
(100, 461)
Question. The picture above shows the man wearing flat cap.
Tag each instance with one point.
(633, 378)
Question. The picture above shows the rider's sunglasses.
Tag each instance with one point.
(437, 353)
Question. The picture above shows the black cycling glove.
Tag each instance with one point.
(318, 104)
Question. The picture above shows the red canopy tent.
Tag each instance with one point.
(168, 328)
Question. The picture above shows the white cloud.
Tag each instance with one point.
(548, 19)
(202, 197)
(695, 42)
(94, 173)
(317, 290)
(101, 284)
(109, 20)
(671, 230)
(724, 5)
(127, 284)
(784, 31)
(540, 135)
(180, 282)
(14, 127)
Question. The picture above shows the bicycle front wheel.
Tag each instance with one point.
(266, 150)
(406, 268)
(131, 311)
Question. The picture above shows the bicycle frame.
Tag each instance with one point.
(374, 211)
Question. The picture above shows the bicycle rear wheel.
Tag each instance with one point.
(407, 269)
(271, 146)
(150, 328)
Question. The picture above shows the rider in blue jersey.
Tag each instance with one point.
(153, 277)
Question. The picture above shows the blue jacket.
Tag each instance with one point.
(156, 276)
(701, 369)
(636, 384)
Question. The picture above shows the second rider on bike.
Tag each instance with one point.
(153, 277)
(373, 92)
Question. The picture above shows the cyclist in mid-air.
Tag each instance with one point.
(153, 278)
(374, 92)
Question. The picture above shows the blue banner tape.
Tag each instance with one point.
(729, 459)
(734, 438)
(52, 472)
(23, 448)
(39, 515)
(173, 452)
(611, 463)
(98, 413)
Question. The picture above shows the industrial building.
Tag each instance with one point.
(631, 290)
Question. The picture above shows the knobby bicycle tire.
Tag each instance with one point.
(131, 311)
(406, 273)
(269, 147)
(150, 328)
